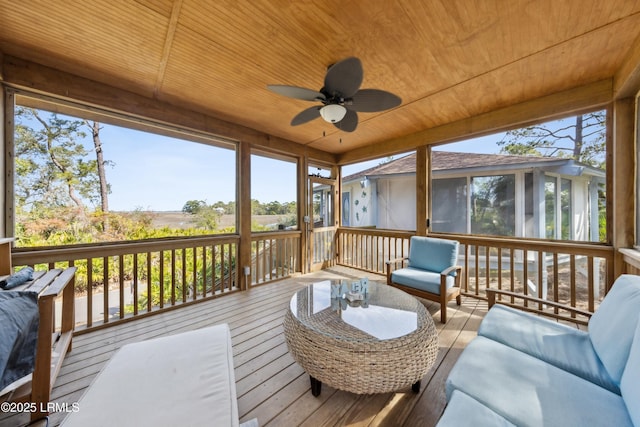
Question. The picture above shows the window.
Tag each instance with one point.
(493, 205)
(86, 178)
(543, 181)
(449, 205)
(273, 193)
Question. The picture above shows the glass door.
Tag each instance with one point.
(322, 226)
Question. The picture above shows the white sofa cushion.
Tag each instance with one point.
(529, 392)
(563, 346)
(180, 380)
(613, 325)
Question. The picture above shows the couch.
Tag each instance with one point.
(431, 271)
(185, 379)
(526, 370)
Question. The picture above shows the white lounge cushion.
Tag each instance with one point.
(180, 380)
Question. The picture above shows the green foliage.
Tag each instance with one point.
(582, 138)
(193, 206)
(493, 205)
(53, 168)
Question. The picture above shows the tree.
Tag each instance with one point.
(52, 168)
(581, 138)
(102, 176)
(208, 217)
(193, 206)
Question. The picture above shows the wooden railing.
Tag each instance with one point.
(121, 280)
(573, 273)
(368, 249)
(275, 255)
(323, 243)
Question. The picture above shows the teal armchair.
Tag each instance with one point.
(430, 272)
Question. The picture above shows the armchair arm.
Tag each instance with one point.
(491, 299)
(448, 271)
(393, 262)
(443, 279)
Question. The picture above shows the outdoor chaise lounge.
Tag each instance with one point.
(431, 272)
(530, 371)
(180, 380)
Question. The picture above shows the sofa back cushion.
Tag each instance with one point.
(630, 384)
(428, 253)
(613, 325)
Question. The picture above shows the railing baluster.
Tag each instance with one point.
(541, 283)
(555, 281)
(149, 283)
(105, 289)
(89, 292)
(525, 274)
(477, 270)
(590, 284)
(572, 263)
(499, 267)
(184, 275)
(161, 278)
(487, 264)
(194, 269)
(121, 284)
(135, 284)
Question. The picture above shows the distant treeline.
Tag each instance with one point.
(229, 208)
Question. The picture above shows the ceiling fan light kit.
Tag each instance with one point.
(341, 97)
(333, 113)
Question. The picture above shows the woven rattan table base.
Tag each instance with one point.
(353, 360)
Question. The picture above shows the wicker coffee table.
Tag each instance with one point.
(382, 344)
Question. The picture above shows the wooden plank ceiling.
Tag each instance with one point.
(447, 59)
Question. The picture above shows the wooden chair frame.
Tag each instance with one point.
(446, 294)
(52, 345)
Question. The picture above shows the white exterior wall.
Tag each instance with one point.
(580, 209)
(397, 203)
(362, 204)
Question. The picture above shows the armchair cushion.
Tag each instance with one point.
(547, 340)
(629, 385)
(432, 254)
(612, 326)
(420, 279)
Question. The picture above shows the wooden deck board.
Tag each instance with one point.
(269, 384)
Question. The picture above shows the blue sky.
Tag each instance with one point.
(154, 172)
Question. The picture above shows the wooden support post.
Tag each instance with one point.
(423, 172)
(303, 206)
(243, 178)
(623, 182)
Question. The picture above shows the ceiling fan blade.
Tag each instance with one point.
(349, 123)
(306, 116)
(344, 78)
(370, 100)
(296, 92)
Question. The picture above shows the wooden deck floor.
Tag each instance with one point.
(270, 385)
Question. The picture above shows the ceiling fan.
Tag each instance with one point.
(341, 98)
